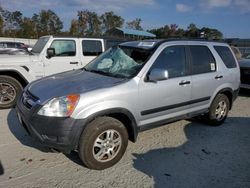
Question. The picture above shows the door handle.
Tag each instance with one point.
(218, 77)
(74, 63)
(184, 82)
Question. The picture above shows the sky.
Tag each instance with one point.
(231, 17)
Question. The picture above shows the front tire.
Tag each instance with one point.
(103, 143)
(10, 89)
(218, 110)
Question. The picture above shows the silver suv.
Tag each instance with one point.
(129, 88)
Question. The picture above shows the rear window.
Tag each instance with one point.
(226, 56)
(91, 47)
(202, 60)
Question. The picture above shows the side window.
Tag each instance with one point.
(202, 60)
(226, 56)
(172, 59)
(64, 47)
(11, 45)
(91, 47)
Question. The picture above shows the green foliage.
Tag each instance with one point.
(135, 24)
(47, 23)
(110, 20)
(192, 31)
(87, 23)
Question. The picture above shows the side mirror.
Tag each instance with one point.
(157, 75)
(51, 52)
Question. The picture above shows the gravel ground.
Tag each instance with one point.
(181, 154)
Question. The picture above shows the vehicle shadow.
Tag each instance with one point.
(19, 132)
(211, 157)
(1, 169)
(244, 92)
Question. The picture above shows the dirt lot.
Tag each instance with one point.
(181, 154)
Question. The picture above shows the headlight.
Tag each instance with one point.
(60, 107)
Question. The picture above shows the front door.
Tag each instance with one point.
(66, 57)
(167, 98)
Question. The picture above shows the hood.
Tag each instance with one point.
(17, 59)
(244, 63)
(71, 82)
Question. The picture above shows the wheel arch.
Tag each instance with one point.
(229, 93)
(16, 75)
(120, 114)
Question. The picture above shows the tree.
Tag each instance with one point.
(172, 30)
(74, 27)
(89, 23)
(27, 29)
(47, 22)
(11, 22)
(1, 25)
(110, 20)
(211, 33)
(135, 24)
(192, 31)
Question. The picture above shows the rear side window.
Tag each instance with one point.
(202, 60)
(91, 47)
(226, 56)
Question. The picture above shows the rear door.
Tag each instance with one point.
(91, 48)
(167, 98)
(206, 76)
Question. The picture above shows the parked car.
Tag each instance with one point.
(245, 72)
(129, 88)
(50, 55)
(10, 45)
(237, 52)
(13, 48)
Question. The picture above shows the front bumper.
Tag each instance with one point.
(58, 133)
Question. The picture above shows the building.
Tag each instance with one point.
(129, 34)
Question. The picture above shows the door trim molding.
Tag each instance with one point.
(164, 108)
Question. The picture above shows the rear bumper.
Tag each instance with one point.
(58, 133)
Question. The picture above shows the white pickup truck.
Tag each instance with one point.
(50, 55)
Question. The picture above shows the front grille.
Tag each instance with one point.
(29, 100)
(245, 75)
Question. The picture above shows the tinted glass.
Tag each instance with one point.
(202, 60)
(64, 47)
(11, 45)
(172, 59)
(91, 47)
(38, 47)
(226, 56)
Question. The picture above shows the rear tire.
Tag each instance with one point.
(10, 89)
(218, 110)
(103, 143)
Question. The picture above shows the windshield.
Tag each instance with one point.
(40, 44)
(123, 62)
